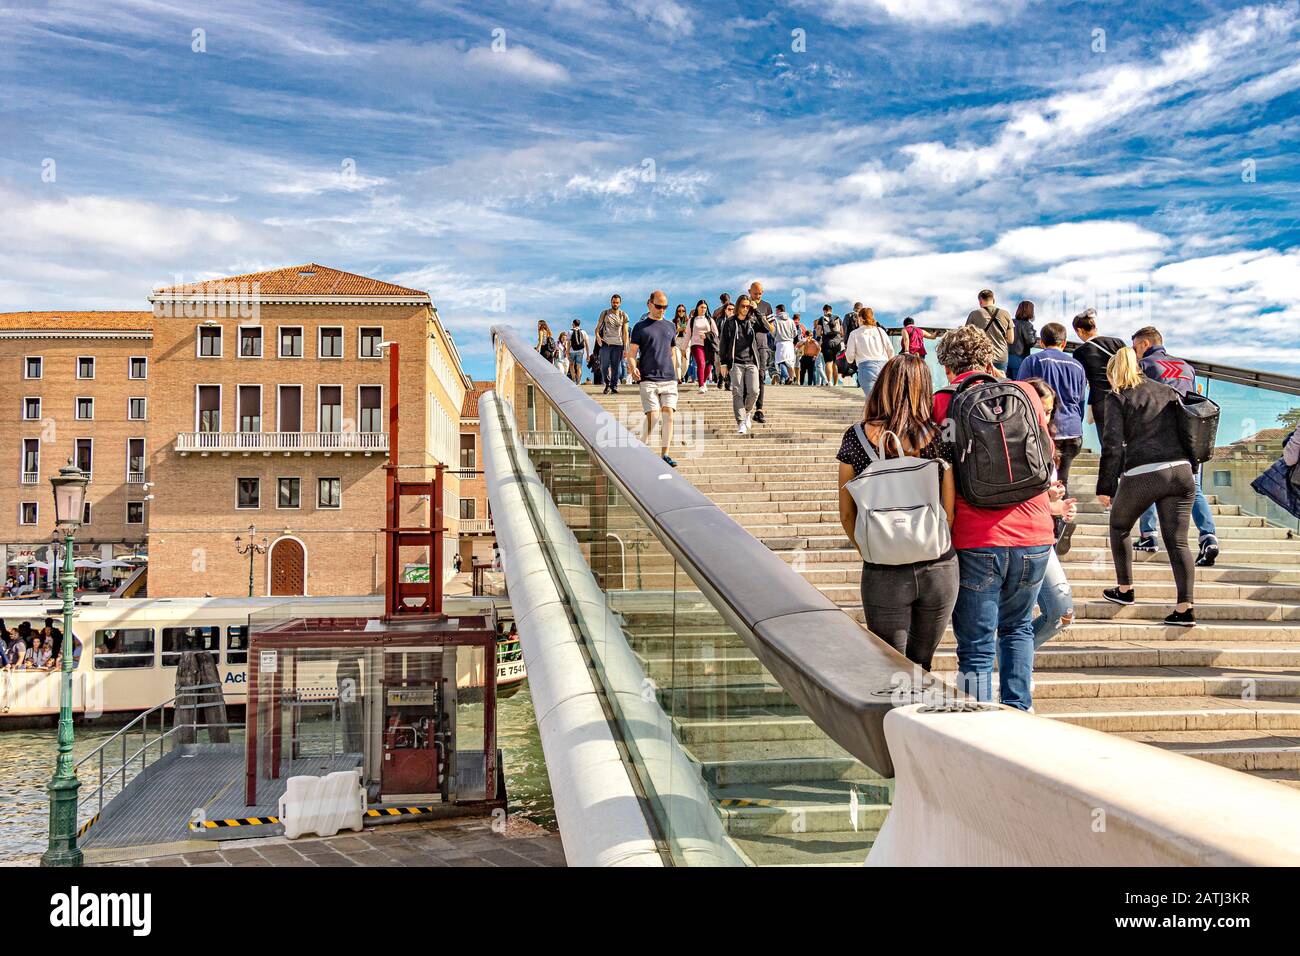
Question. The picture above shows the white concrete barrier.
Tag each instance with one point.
(323, 805)
(1005, 788)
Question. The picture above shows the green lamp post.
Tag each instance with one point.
(69, 497)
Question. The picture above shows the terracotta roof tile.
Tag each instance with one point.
(309, 279)
(470, 408)
(78, 321)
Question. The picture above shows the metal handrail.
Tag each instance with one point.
(142, 720)
(841, 676)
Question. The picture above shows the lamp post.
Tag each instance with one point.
(251, 549)
(69, 487)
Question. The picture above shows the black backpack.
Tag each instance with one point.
(1198, 426)
(578, 341)
(1002, 454)
(548, 349)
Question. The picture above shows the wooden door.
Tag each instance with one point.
(288, 568)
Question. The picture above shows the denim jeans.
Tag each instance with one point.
(868, 372)
(1055, 599)
(992, 619)
(611, 357)
(820, 371)
(1013, 364)
(1201, 515)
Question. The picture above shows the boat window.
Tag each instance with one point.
(237, 644)
(177, 640)
(120, 647)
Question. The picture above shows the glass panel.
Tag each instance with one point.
(117, 648)
(237, 644)
(250, 343)
(177, 640)
(734, 772)
(249, 493)
(290, 490)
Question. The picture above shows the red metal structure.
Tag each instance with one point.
(410, 597)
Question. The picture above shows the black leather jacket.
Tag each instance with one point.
(1141, 429)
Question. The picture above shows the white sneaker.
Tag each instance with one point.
(704, 388)
(744, 427)
(749, 423)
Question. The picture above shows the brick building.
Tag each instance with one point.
(275, 416)
(476, 533)
(76, 385)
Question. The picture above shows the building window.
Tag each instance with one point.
(467, 452)
(329, 493)
(32, 367)
(368, 340)
(31, 409)
(250, 408)
(331, 342)
(31, 461)
(85, 512)
(137, 367)
(86, 366)
(135, 512)
(291, 341)
(135, 461)
(85, 409)
(1223, 479)
(466, 509)
(250, 342)
(123, 647)
(86, 454)
(210, 341)
(135, 410)
(371, 413)
(331, 408)
(249, 493)
(290, 492)
(28, 512)
(209, 408)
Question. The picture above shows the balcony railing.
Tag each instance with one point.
(286, 442)
(550, 439)
(475, 525)
(31, 477)
(135, 477)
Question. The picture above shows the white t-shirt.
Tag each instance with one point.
(869, 343)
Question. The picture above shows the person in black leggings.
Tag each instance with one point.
(1143, 462)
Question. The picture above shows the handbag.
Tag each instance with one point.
(1198, 426)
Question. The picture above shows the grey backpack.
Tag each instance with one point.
(900, 513)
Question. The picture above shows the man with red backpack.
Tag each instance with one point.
(996, 431)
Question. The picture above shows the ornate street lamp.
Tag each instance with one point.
(251, 549)
(69, 496)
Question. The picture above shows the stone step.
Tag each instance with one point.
(806, 849)
(1175, 714)
(750, 818)
(1158, 682)
(1052, 656)
(1239, 750)
(802, 770)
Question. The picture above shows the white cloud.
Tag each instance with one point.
(1067, 240)
(922, 12)
(516, 61)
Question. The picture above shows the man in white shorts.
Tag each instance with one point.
(654, 364)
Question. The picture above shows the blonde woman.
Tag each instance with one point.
(1143, 462)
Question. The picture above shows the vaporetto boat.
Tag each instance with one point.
(130, 648)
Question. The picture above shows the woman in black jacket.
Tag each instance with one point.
(1143, 462)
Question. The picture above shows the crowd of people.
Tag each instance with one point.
(29, 649)
(1003, 493)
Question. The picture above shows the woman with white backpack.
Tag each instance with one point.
(897, 505)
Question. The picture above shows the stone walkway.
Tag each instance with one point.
(471, 842)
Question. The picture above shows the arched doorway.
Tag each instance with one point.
(288, 568)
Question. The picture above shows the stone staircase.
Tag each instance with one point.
(1226, 691)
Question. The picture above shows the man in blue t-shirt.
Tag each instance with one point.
(653, 362)
(1068, 381)
(1179, 375)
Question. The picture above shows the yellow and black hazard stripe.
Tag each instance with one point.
(735, 803)
(234, 822)
(86, 826)
(397, 811)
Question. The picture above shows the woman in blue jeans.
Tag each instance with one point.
(906, 605)
(870, 347)
(1055, 599)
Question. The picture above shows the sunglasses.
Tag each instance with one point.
(658, 305)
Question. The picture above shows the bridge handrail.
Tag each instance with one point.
(1215, 371)
(840, 675)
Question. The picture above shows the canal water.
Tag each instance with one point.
(27, 762)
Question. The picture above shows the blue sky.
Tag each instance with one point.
(522, 160)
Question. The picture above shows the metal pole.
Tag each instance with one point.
(251, 551)
(63, 850)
